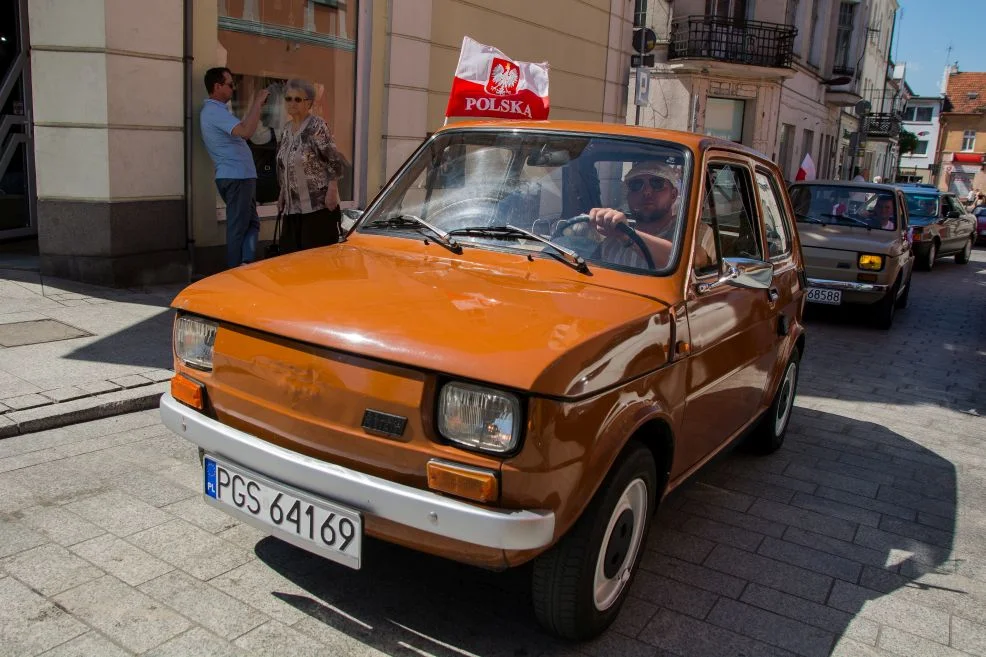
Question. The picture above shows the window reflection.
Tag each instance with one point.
(265, 43)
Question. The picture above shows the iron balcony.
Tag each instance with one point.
(754, 43)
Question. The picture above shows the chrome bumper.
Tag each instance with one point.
(412, 507)
(846, 286)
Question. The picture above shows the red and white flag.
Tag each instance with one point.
(807, 170)
(489, 84)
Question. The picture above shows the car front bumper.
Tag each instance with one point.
(404, 505)
(852, 291)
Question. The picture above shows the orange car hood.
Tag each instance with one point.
(512, 325)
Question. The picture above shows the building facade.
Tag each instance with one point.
(116, 183)
(962, 137)
(782, 77)
(920, 118)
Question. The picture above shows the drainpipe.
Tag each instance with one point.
(187, 62)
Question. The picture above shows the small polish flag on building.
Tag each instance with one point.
(807, 170)
(489, 84)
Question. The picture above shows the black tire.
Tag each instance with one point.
(927, 262)
(885, 309)
(962, 257)
(768, 436)
(563, 584)
(904, 298)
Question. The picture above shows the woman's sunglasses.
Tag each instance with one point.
(657, 184)
(294, 99)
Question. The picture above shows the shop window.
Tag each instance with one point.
(724, 118)
(265, 43)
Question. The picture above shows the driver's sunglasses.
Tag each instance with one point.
(294, 99)
(657, 184)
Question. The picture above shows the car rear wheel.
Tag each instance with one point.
(768, 436)
(928, 261)
(579, 585)
(963, 256)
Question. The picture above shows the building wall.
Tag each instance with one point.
(108, 126)
(920, 165)
(586, 45)
(955, 176)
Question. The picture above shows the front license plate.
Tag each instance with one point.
(821, 295)
(313, 524)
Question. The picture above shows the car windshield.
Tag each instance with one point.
(844, 205)
(922, 204)
(529, 191)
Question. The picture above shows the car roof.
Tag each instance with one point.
(696, 142)
(931, 191)
(876, 187)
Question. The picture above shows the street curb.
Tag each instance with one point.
(82, 410)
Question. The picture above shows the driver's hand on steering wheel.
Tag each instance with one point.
(607, 220)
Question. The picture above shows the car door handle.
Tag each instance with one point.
(773, 295)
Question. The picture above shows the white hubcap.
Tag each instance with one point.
(785, 398)
(620, 545)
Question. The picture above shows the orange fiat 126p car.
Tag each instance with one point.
(532, 335)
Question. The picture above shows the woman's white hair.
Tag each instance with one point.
(301, 85)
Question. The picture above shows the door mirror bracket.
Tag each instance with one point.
(742, 272)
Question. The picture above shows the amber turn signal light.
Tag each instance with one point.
(463, 481)
(188, 392)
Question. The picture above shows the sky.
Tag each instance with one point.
(925, 28)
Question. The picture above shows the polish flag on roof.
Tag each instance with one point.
(807, 170)
(489, 84)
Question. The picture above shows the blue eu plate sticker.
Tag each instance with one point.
(210, 478)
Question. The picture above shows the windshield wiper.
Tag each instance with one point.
(571, 258)
(405, 220)
(809, 218)
(848, 218)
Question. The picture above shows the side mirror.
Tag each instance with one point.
(742, 272)
(953, 214)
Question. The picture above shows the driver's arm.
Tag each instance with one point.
(605, 220)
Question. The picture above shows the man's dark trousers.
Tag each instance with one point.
(242, 222)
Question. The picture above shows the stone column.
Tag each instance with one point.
(108, 126)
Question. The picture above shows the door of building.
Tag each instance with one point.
(17, 197)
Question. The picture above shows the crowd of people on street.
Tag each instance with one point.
(308, 168)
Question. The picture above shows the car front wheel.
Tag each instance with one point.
(579, 585)
(963, 256)
(928, 261)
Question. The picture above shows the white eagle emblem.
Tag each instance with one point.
(503, 78)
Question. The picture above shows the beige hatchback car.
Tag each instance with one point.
(857, 245)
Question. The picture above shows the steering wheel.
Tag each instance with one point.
(565, 224)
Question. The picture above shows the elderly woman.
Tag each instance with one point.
(308, 167)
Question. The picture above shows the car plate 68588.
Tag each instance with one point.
(821, 295)
(325, 528)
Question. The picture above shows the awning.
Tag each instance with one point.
(969, 158)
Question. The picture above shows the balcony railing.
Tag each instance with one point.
(843, 70)
(755, 43)
(883, 125)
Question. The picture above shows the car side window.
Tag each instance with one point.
(954, 206)
(728, 209)
(776, 223)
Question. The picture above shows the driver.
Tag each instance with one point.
(883, 213)
(651, 194)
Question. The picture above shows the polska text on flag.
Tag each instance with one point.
(807, 170)
(487, 83)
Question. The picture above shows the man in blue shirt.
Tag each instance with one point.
(236, 176)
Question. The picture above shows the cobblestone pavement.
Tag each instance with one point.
(864, 535)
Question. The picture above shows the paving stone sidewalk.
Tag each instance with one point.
(70, 351)
(863, 536)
